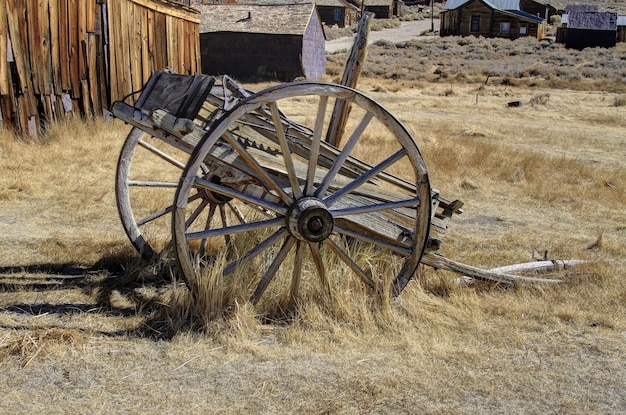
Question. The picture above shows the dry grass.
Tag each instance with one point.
(86, 327)
(522, 62)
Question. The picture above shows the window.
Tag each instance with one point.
(337, 15)
(522, 30)
(505, 28)
(475, 26)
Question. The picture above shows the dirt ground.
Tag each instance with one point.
(407, 31)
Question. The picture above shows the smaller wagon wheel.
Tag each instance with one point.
(316, 212)
(148, 170)
(146, 179)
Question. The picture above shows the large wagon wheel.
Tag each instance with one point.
(363, 210)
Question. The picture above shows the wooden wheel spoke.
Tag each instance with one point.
(353, 265)
(161, 154)
(228, 269)
(284, 147)
(401, 249)
(195, 213)
(364, 178)
(315, 145)
(297, 273)
(344, 154)
(235, 229)
(358, 210)
(319, 266)
(237, 212)
(224, 219)
(236, 194)
(151, 183)
(273, 268)
(207, 226)
(267, 180)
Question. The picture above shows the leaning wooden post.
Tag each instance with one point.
(350, 77)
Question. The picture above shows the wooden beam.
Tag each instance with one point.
(16, 13)
(55, 47)
(350, 77)
(4, 41)
(178, 11)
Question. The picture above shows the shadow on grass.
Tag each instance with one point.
(116, 286)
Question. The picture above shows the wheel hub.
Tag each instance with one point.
(212, 196)
(310, 220)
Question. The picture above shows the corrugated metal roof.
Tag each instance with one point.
(290, 19)
(494, 4)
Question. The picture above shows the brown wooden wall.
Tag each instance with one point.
(458, 22)
(75, 57)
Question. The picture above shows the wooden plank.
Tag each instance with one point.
(160, 42)
(39, 31)
(4, 64)
(197, 60)
(146, 65)
(86, 98)
(180, 47)
(172, 43)
(90, 16)
(55, 50)
(94, 91)
(64, 47)
(134, 24)
(123, 50)
(74, 47)
(151, 22)
(16, 13)
(82, 39)
(112, 19)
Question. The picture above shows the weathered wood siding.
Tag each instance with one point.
(332, 15)
(65, 57)
(490, 23)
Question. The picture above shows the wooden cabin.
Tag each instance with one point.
(539, 8)
(382, 9)
(584, 27)
(621, 28)
(255, 42)
(331, 12)
(60, 58)
(338, 13)
(494, 18)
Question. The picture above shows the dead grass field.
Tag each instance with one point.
(87, 328)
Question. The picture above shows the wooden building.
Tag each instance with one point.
(382, 9)
(331, 12)
(621, 28)
(337, 12)
(585, 28)
(254, 42)
(60, 58)
(489, 18)
(539, 8)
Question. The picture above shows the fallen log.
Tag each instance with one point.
(501, 275)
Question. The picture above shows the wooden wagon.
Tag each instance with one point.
(248, 185)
